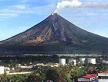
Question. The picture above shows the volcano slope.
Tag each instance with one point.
(55, 35)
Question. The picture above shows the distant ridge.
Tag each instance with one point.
(55, 35)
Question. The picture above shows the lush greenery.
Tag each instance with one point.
(13, 78)
(66, 73)
(57, 74)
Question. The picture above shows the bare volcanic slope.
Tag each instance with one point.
(55, 35)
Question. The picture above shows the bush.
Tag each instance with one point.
(52, 74)
(56, 74)
(13, 78)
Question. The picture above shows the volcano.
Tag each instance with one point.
(55, 35)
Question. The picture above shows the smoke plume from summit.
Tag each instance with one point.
(78, 4)
(67, 3)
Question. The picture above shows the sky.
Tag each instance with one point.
(17, 16)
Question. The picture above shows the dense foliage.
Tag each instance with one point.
(66, 73)
(56, 74)
(13, 78)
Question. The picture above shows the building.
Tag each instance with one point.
(2, 69)
(103, 76)
(88, 78)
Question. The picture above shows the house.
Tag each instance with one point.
(103, 76)
(2, 69)
(88, 78)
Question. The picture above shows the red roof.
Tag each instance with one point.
(106, 71)
(88, 76)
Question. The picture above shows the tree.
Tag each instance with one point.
(77, 71)
(52, 74)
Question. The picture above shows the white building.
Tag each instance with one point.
(62, 61)
(92, 60)
(2, 69)
(103, 77)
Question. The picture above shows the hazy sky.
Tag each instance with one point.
(18, 15)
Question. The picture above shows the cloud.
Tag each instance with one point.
(95, 5)
(16, 10)
(78, 4)
(12, 11)
(27, 7)
(19, 7)
(66, 4)
(7, 14)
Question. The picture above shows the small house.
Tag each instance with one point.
(2, 69)
(103, 76)
(88, 78)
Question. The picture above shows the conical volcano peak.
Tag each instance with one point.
(53, 28)
(55, 34)
(54, 16)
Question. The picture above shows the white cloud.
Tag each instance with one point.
(19, 7)
(7, 14)
(79, 4)
(66, 4)
(94, 5)
(16, 10)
